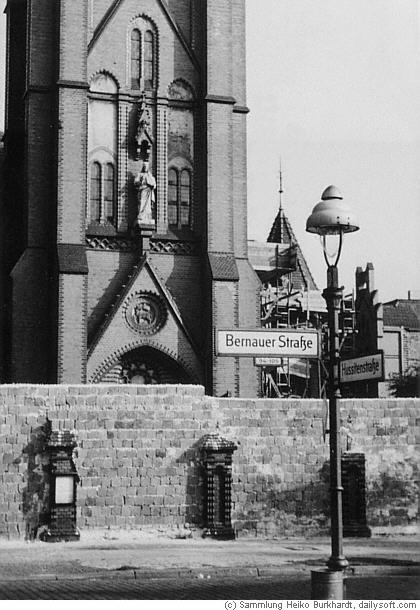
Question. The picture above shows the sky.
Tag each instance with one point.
(334, 93)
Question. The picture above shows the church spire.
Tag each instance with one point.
(279, 231)
(280, 214)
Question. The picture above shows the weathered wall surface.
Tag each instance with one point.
(138, 457)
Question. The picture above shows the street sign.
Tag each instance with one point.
(363, 368)
(272, 342)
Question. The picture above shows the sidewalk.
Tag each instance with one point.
(125, 554)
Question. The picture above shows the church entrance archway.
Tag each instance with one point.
(147, 365)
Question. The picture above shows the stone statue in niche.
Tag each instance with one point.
(144, 181)
(145, 184)
(143, 138)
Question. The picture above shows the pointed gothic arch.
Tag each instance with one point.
(142, 69)
(149, 358)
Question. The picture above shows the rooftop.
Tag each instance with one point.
(402, 312)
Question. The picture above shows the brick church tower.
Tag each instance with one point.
(124, 216)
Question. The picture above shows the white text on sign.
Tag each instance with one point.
(268, 343)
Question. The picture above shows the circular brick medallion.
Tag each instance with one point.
(145, 313)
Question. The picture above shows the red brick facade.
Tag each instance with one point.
(106, 86)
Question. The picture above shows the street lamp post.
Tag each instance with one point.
(332, 217)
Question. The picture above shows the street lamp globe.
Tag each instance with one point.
(330, 219)
(331, 216)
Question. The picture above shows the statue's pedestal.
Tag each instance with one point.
(144, 233)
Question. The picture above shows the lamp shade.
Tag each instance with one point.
(331, 215)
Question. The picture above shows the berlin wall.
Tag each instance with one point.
(139, 458)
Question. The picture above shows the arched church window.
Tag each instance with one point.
(135, 59)
(109, 193)
(103, 154)
(181, 151)
(95, 191)
(149, 58)
(185, 197)
(179, 198)
(173, 197)
(142, 69)
(102, 193)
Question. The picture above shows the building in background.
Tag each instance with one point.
(124, 218)
(289, 298)
(392, 327)
(401, 338)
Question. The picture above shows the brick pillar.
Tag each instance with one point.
(71, 191)
(31, 276)
(230, 280)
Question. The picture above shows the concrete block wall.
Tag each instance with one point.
(138, 458)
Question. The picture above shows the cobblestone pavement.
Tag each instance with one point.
(296, 587)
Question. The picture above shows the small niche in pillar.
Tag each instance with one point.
(217, 461)
(63, 482)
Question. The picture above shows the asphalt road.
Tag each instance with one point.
(295, 587)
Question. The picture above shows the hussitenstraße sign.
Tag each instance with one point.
(268, 342)
(363, 368)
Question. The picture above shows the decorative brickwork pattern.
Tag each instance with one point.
(223, 266)
(162, 170)
(167, 246)
(111, 244)
(123, 121)
(139, 457)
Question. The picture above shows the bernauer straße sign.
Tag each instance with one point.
(268, 342)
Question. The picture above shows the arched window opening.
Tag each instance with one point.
(95, 191)
(109, 192)
(102, 154)
(102, 193)
(179, 198)
(185, 198)
(173, 197)
(135, 59)
(148, 59)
